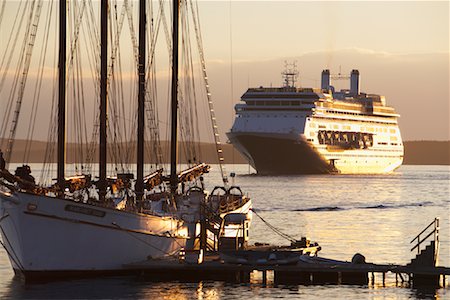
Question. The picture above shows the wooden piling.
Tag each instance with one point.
(264, 277)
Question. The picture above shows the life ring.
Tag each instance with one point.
(219, 188)
(194, 189)
(232, 188)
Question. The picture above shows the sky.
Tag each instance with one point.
(400, 47)
(264, 29)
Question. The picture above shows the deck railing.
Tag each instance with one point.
(432, 229)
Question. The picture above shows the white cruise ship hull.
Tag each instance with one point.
(45, 235)
(277, 153)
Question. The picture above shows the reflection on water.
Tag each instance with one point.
(376, 215)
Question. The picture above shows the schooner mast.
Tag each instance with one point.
(103, 98)
(174, 100)
(61, 98)
(141, 105)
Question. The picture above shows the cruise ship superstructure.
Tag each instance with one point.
(290, 130)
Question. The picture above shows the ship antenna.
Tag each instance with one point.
(290, 74)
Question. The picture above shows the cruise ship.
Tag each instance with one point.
(290, 130)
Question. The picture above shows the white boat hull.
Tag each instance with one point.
(44, 234)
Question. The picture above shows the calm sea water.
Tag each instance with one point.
(376, 215)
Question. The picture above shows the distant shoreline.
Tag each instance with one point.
(416, 153)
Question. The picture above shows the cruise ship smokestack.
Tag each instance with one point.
(354, 82)
(325, 85)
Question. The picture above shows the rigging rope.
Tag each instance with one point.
(38, 85)
(276, 230)
(231, 75)
(16, 37)
(28, 45)
(214, 125)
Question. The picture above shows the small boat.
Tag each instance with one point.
(265, 254)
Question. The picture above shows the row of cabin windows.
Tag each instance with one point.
(368, 129)
(278, 103)
(347, 140)
(353, 120)
(354, 113)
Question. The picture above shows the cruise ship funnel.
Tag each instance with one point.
(354, 82)
(325, 84)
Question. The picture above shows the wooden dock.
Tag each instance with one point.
(298, 268)
(213, 268)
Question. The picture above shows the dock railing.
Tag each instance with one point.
(432, 229)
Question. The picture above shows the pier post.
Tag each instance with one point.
(401, 277)
(264, 277)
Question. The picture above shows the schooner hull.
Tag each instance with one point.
(45, 235)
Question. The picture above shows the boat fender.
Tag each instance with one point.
(261, 261)
(272, 256)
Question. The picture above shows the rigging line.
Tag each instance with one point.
(231, 75)
(121, 94)
(91, 39)
(166, 29)
(84, 137)
(80, 112)
(5, 237)
(134, 42)
(111, 99)
(51, 132)
(132, 128)
(112, 87)
(38, 86)
(14, 258)
(276, 230)
(152, 95)
(74, 71)
(144, 241)
(78, 85)
(218, 144)
(2, 10)
(8, 109)
(95, 67)
(194, 106)
(34, 23)
(16, 37)
(169, 48)
(190, 104)
(123, 146)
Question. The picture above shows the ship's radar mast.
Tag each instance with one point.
(290, 74)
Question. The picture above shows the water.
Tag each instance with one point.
(376, 215)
